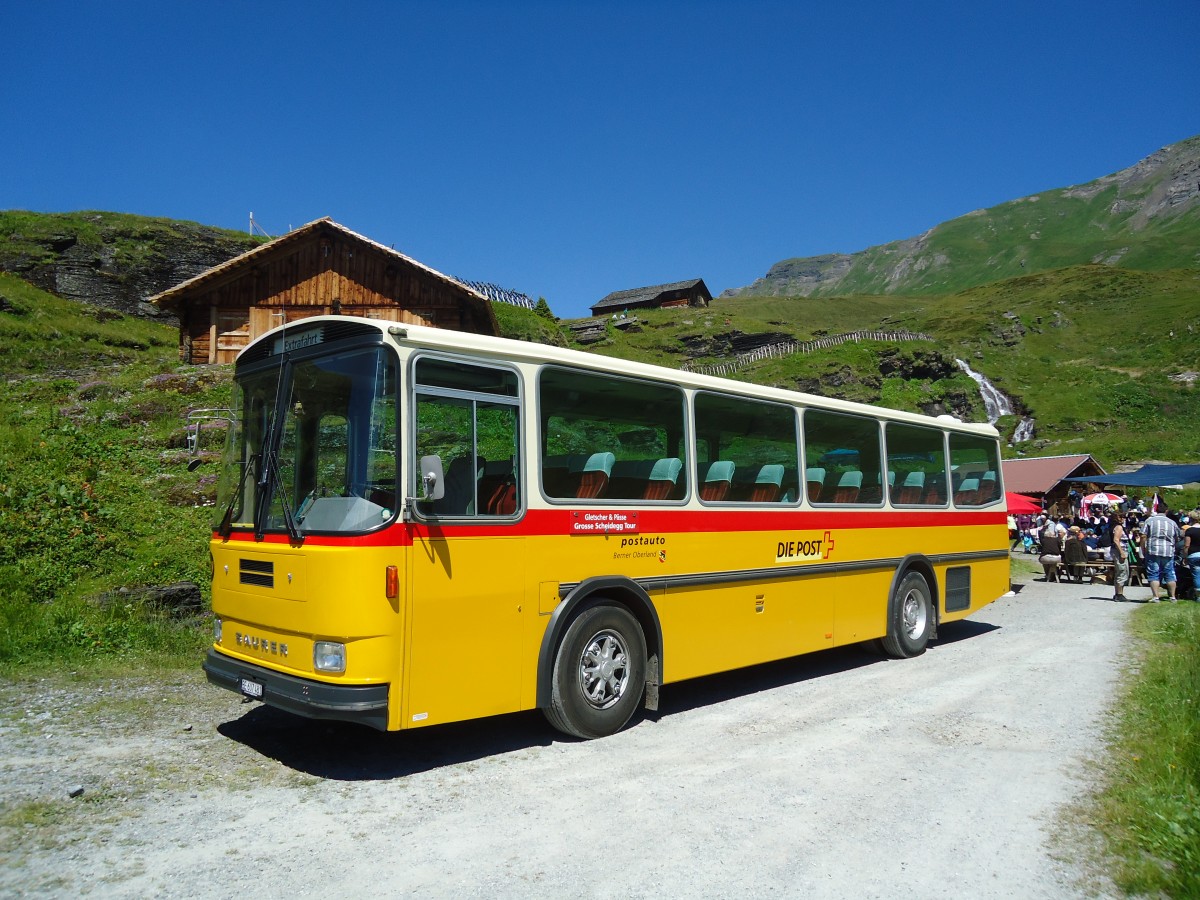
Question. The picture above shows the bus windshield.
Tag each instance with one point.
(313, 446)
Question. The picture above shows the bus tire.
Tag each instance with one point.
(599, 673)
(910, 618)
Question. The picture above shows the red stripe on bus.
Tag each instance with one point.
(552, 522)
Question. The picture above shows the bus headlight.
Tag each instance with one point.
(216, 631)
(329, 656)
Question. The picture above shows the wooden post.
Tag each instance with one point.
(212, 334)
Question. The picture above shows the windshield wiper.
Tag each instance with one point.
(271, 478)
(225, 528)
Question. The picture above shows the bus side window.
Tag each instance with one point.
(755, 439)
(468, 416)
(916, 462)
(601, 435)
(847, 448)
(976, 460)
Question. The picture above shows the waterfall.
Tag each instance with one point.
(1023, 431)
(997, 405)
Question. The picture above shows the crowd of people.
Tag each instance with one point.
(1123, 542)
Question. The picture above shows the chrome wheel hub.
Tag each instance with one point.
(915, 614)
(604, 670)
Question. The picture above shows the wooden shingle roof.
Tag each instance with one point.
(644, 295)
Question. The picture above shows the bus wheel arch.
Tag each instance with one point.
(623, 597)
(913, 605)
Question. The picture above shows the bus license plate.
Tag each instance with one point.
(250, 688)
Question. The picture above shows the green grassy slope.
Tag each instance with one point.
(28, 239)
(94, 490)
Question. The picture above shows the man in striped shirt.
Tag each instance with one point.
(1160, 536)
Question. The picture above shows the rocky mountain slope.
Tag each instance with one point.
(1144, 217)
(110, 259)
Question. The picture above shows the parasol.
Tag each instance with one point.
(1019, 503)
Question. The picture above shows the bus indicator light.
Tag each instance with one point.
(392, 582)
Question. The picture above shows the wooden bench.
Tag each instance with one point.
(1101, 568)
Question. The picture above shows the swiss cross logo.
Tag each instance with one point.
(828, 542)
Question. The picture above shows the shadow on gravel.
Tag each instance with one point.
(713, 689)
(953, 632)
(345, 752)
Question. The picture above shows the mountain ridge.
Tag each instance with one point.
(1146, 216)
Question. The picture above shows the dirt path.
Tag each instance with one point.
(833, 775)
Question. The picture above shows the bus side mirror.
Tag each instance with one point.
(433, 485)
(195, 419)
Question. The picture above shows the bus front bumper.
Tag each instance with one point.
(366, 704)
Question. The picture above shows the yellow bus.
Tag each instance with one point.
(417, 526)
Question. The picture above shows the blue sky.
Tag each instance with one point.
(570, 149)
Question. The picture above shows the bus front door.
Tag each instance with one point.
(463, 660)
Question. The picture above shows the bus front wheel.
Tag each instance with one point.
(599, 673)
(910, 618)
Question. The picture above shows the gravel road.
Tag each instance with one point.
(839, 774)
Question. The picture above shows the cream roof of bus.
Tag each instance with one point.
(536, 354)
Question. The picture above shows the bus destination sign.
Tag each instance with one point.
(604, 522)
(298, 340)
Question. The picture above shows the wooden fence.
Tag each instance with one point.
(786, 348)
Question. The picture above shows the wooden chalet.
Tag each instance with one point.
(679, 293)
(320, 268)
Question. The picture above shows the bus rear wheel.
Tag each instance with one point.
(599, 673)
(910, 618)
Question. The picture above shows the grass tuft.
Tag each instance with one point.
(1149, 809)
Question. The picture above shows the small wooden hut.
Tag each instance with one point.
(693, 292)
(320, 268)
